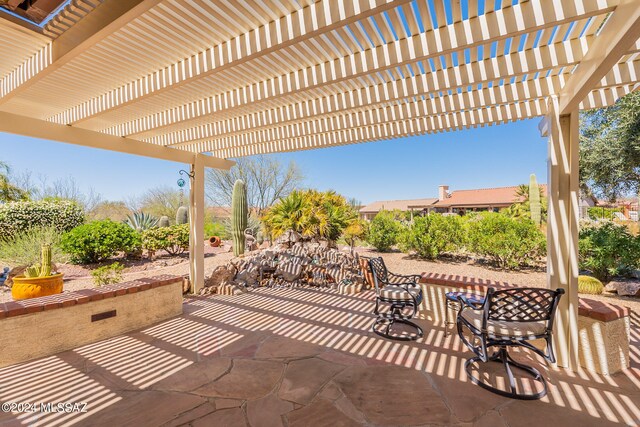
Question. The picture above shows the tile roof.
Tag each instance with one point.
(403, 205)
(482, 197)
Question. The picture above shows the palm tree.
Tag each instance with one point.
(521, 207)
(286, 214)
(311, 213)
(8, 191)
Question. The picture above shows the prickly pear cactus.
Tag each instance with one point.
(182, 216)
(164, 221)
(239, 214)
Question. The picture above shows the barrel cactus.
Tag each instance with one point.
(182, 216)
(163, 221)
(589, 285)
(239, 214)
(535, 206)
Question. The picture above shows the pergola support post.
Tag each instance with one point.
(196, 225)
(562, 227)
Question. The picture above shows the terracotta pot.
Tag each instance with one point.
(214, 241)
(366, 272)
(34, 287)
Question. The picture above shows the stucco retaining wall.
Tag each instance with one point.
(45, 326)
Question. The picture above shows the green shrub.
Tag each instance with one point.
(355, 231)
(173, 239)
(589, 285)
(215, 228)
(24, 248)
(507, 241)
(608, 249)
(433, 234)
(99, 240)
(596, 213)
(18, 217)
(108, 274)
(384, 231)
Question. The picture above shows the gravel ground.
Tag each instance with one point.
(179, 266)
(396, 262)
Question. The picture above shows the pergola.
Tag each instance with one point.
(203, 81)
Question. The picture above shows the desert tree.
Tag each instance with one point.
(267, 180)
(610, 148)
(41, 187)
(159, 201)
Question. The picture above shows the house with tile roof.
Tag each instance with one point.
(415, 205)
(482, 199)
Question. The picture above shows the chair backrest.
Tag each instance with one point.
(522, 305)
(379, 271)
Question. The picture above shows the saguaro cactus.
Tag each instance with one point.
(239, 214)
(535, 207)
(182, 215)
(45, 261)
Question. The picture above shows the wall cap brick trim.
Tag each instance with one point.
(82, 296)
(594, 309)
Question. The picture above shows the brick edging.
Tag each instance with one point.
(594, 309)
(82, 296)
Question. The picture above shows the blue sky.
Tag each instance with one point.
(405, 168)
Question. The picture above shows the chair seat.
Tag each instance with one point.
(397, 293)
(504, 328)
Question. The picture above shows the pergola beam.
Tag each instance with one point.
(300, 25)
(373, 108)
(103, 21)
(531, 61)
(387, 126)
(510, 21)
(620, 32)
(35, 128)
(299, 114)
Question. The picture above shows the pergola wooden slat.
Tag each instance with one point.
(204, 81)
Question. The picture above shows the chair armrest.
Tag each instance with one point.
(464, 303)
(413, 278)
(404, 285)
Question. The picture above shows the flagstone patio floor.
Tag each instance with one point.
(296, 357)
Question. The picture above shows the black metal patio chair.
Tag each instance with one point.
(510, 317)
(402, 294)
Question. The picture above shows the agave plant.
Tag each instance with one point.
(141, 221)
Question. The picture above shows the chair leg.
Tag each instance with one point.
(503, 357)
(384, 321)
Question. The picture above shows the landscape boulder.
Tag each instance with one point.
(222, 273)
(291, 261)
(624, 287)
